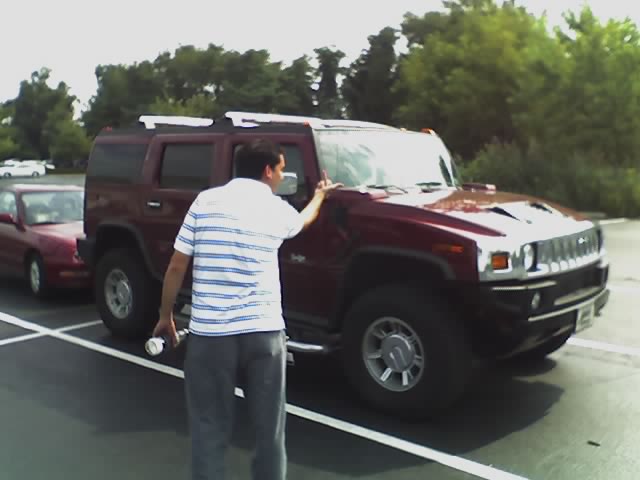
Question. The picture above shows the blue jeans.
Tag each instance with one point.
(212, 365)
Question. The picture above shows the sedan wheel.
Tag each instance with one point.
(36, 276)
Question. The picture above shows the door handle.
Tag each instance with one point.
(154, 204)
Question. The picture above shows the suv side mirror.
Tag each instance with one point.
(289, 184)
(7, 218)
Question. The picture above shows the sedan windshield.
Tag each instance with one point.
(385, 159)
(43, 208)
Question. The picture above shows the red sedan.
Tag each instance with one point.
(39, 225)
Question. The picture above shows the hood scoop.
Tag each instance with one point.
(526, 212)
(502, 211)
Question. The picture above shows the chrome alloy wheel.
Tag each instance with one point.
(117, 293)
(393, 354)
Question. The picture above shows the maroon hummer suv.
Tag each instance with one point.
(407, 273)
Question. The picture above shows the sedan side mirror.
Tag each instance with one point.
(289, 184)
(7, 218)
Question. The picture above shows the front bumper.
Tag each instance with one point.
(68, 275)
(509, 318)
(86, 247)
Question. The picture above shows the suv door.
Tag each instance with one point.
(302, 258)
(180, 167)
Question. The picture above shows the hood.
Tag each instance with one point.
(504, 213)
(65, 231)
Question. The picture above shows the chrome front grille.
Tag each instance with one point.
(568, 252)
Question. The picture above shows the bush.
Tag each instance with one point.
(582, 181)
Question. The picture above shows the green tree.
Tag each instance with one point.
(295, 92)
(250, 82)
(8, 145)
(601, 93)
(461, 79)
(124, 92)
(328, 99)
(32, 107)
(70, 146)
(367, 88)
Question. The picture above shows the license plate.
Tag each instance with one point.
(585, 317)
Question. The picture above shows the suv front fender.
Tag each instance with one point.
(114, 234)
(372, 266)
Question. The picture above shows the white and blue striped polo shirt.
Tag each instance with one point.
(233, 233)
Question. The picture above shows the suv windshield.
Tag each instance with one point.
(385, 159)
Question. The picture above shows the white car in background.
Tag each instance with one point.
(27, 168)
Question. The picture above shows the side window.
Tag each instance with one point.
(186, 166)
(8, 203)
(117, 162)
(294, 163)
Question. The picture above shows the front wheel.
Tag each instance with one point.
(37, 276)
(405, 352)
(127, 297)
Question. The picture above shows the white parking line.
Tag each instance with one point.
(625, 288)
(612, 221)
(21, 338)
(604, 347)
(78, 326)
(457, 463)
(31, 336)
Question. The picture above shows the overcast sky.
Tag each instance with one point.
(72, 37)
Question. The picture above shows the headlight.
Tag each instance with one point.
(529, 256)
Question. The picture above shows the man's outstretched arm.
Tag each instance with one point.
(310, 213)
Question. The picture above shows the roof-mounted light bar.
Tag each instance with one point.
(151, 121)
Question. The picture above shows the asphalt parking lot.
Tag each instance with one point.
(78, 404)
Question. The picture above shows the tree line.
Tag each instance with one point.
(551, 112)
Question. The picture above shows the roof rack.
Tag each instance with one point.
(150, 121)
(251, 119)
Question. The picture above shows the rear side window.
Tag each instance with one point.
(186, 166)
(117, 162)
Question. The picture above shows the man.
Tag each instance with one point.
(233, 234)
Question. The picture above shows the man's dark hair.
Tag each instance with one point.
(251, 159)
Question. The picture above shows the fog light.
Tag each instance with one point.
(535, 301)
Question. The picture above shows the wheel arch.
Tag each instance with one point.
(375, 266)
(114, 234)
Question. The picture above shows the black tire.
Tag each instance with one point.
(542, 351)
(446, 353)
(39, 288)
(144, 294)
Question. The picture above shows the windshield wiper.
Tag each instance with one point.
(388, 187)
(44, 223)
(428, 185)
